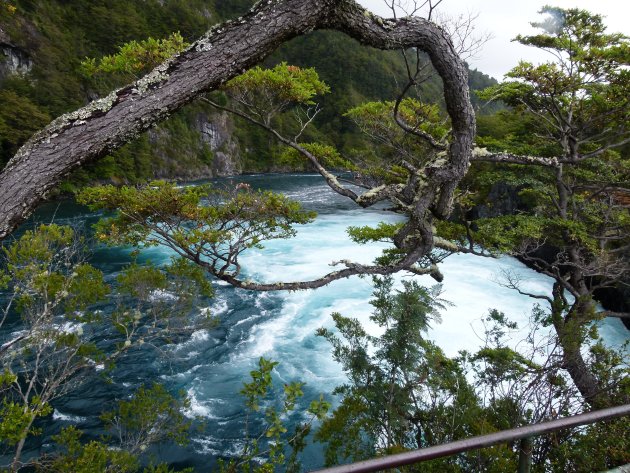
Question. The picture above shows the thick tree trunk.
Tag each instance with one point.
(573, 361)
(224, 52)
(568, 329)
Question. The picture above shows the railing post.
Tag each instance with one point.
(525, 455)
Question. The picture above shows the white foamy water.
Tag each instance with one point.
(57, 415)
(471, 285)
(281, 326)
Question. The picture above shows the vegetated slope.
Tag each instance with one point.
(42, 43)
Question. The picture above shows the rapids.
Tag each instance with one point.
(212, 365)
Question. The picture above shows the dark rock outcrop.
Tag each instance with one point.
(13, 60)
(503, 199)
(217, 132)
(211, 150)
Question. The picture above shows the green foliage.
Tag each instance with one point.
(159, 302)
(86, 288)
(576, 110)
(57, 295)
(268, 215)
(164, 468)
(90, 457)
(135, 57)
(264, 95)
(367, 75)
(57, 36)
(327, 155)
(7, 8)
(404, 393)
(40, 278)
(378, 413)
(377, 120)
(273, 440)
(233, 9)
(19, 119)
(140, 281)
(510, 130)
(152, 415)
(588, 83)
(16, 420)
(283, 84)
(261, 382)
(384, 232)
(207, 226)
(188, 278)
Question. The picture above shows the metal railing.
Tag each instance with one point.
(524, 434)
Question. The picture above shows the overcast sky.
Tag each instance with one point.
(504, 19)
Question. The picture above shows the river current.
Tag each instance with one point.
(212, 365)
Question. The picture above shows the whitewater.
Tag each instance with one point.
(213, 364)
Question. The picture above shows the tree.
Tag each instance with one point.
(583, 104)
(59, 299)
(52, 298)
(263, 97)
(221, 54)
(389, 379)
(209, 227)
(266, 439)
(404, 393)
(150, 416)
(578, 110)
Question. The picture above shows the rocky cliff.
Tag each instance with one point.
(206, 148)
(217, 133)
(13, 60)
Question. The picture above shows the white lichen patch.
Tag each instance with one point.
(481, 152)
(388, 24)
(79, 117)
(157, 75)
(440, 160)
(444, 244)
(203, 46)
(442, 154)
(372, 193)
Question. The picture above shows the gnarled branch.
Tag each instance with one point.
(221, 54)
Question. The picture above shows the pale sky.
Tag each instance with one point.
(504, 19)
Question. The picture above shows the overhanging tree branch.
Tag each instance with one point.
(221, 54)
(482, 154)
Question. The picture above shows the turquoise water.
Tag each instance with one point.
(212, 365)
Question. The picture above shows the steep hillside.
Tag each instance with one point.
(42, 43)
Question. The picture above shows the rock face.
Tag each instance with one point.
(503, 199)
(616, 299)
(208, 148)
(217, 132)
(13, 60)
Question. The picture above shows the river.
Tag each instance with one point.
(212, 365)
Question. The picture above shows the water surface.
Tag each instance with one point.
(212, 365)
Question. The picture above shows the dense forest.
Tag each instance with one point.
(444, 160)
(51, 39)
